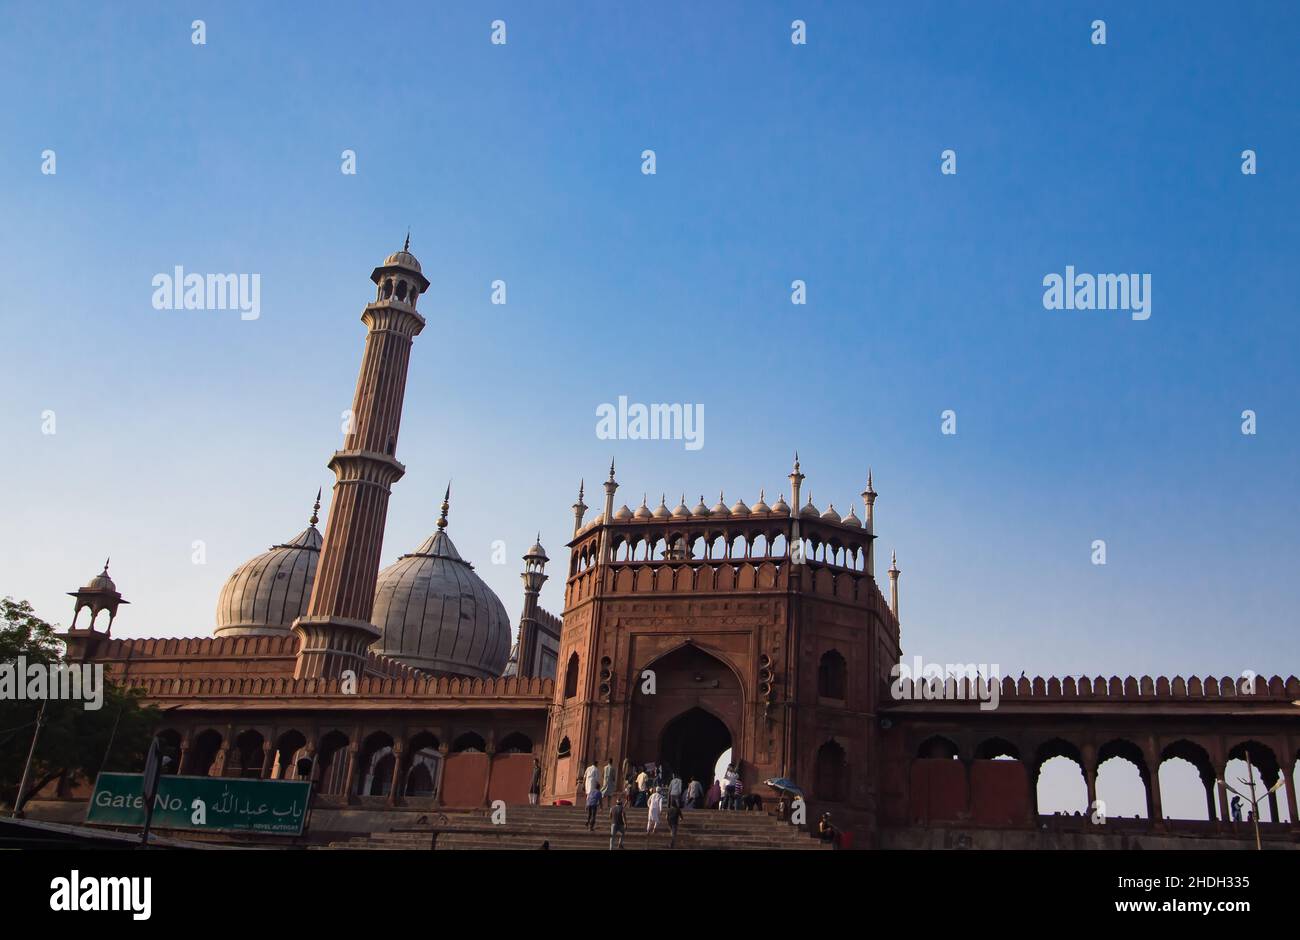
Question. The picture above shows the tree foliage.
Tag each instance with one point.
(75, 743)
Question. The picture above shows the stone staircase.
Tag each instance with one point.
(564, 827)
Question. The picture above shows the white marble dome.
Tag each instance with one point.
(437, 614)
(267, 593)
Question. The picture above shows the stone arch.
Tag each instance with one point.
(1266, 768)
(424, 770)
(1122, 780)
(515, 743)
(376, 765)
(203, 753)
(288, 748)
(571, 677)
(248, 753)
(937, 746)
(469, 741)
(1055, 755)
(1174, 763)
(331, 763)
(688, 676)
(996, 749)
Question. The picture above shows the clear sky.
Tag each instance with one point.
(775, 162)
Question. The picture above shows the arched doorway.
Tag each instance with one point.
(692, 743)
(696, 712)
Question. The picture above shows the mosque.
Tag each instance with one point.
(686, 632)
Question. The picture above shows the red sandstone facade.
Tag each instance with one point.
(685, 632)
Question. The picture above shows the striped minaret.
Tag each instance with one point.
(336, 632)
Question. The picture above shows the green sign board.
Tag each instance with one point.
(211, 804)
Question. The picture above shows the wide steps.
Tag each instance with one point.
(564, 828)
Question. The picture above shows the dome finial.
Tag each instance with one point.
(407, 245)
(446, 500)
(106, 561)
(316, 509)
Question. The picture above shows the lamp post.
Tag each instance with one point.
(27, 767)
(1253, 800)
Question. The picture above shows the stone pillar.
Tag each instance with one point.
(218, 768)
(490, 750)
(350, 773)
(443, 750)
(268, 762)
(1224, 816)
(1274, 815)
(1289, 775)
(1154, 809)
(1211, 813)
(394, 797)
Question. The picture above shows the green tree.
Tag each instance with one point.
(75, 743)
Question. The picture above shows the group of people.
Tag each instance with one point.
(662, 793)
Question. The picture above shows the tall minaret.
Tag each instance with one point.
(579, 509)
(336, 632)
(893, 584)
(869, 502)
(534, 576)
(796, 480)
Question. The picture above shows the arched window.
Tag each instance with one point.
(564, 748)
(287, 752)
(469, 741)
(376, 765)
(249, 753)
(204, 753)
(331, 763)
(517, 743)
(571, 677)
(831, 675)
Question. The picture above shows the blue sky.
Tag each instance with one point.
(774, 162)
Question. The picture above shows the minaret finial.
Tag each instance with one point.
(316, 509)
(611, 468)
(581, 486)
(446, 504)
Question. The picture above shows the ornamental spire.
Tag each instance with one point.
(446, 504)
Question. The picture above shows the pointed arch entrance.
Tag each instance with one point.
(695, 713)
(692, 742)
